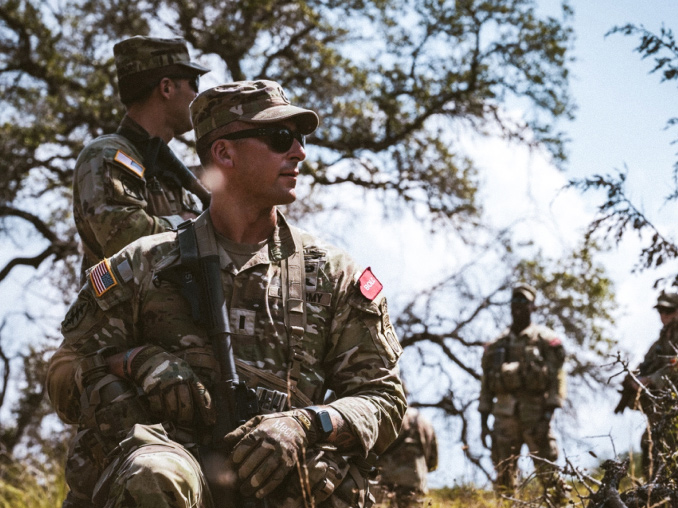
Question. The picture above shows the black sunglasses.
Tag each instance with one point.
(280, 139)
(193, 80)
(666, 310)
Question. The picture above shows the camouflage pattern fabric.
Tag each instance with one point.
(402, 469)
(259, 101)
(508, 436)
(523, 382)
(138, 54)
(349, 345)
(115, 201)
(660, 367)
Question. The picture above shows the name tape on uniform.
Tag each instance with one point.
(370, 287)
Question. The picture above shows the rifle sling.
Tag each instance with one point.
(294, 303)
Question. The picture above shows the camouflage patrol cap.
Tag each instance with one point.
(667, 299)
(260, 101)
(142, 61)
(526, 290)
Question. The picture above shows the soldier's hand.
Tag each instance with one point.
(174, 392)
(266, 448)
(320, 473)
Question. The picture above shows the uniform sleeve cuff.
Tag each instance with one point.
(361, 416)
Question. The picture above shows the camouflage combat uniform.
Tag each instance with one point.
(118, 194)
(349, 346)
(116, 200)
(660, 367)
(404, 465)
(523, 382)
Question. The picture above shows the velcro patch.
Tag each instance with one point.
(102, 277)
(129, 163)
(370, 287)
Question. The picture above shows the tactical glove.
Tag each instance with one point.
(267, 447)
(174, 392)
(320, 473)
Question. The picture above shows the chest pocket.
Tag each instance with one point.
(536, 370)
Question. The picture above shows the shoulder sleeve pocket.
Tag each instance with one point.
(374, 315)
(107, 281)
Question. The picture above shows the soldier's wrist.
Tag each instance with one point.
(317, 422)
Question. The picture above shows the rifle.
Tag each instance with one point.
(169, 162)
(199, 279)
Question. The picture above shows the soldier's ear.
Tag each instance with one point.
(222, 154)
(165, 87)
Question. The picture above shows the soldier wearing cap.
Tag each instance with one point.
(304, 319)
(523, 383)
(130, 184)
(648, 388)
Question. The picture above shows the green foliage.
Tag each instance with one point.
(34, 481)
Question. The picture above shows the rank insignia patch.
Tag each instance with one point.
(102, 277)
(370, 287)
(130, 163)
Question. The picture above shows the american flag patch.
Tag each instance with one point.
(130, 163)
(102, 277)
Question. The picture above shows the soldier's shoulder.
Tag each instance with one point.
(106, 146)
(149, 253)
(336, 263)
(546, 336)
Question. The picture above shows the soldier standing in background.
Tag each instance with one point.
(523, 383)
(649, 388)
(137, 364)
(403, 467)
(127, 185)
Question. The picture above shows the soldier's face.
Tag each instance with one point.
(667, 314)
(267, 177)
(184, 93)
(521, 308)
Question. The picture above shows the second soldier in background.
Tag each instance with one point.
(523, 383)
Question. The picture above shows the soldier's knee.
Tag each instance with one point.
(164, 479)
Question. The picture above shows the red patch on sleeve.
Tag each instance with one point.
(555, 342)
(370, 287)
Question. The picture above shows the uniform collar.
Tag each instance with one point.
(128, 123)
(281, 245)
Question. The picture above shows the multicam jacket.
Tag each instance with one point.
(411, 457)
(523, 374)
(349, 345)
(116, 200)
(660, 365)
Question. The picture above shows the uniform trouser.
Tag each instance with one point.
(508, 436)
(151, 470)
